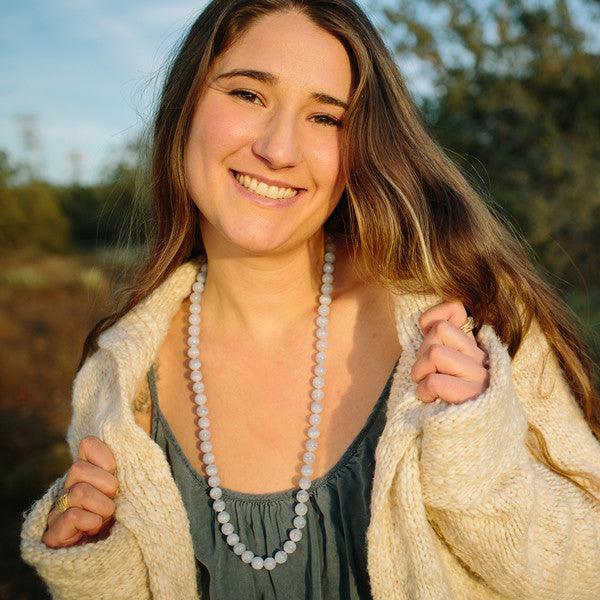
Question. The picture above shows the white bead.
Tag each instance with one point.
(215, 493)
(329, 257)
(321, 344)
(214, 481)
(299, 522)
(233, 539)
(316, 407)
(302, 496)
(328, 268)
(295, 535)
(311, 446)
(204, 422)
(206, 446)
(200, 399)
(223, 517)
(193, 352)
(289, 546)
(247, 556)
(319, 370)
(196, 376)
(204, 434)
(323, 310)
(324, 299)
(218, 505)
(280, 557)
(314, 419)
(327, 278)
(322, 321)
(317, 395)
(193, 340)
(226, 528)
(307, 471)
(308, 457)
(211, 470)
(194, 330)
(269, 563)
(326, 288)
(198, 387)
(300, 509)
(194, 364)
(304, 483)
(208, 458)
(239, 548)
(318, 382)
(313, 432)
(321, 333)
(195, 297)
(201, 410)
(197, 286)
(320, 357)
(194, 319)
(195, 308)
(257, 563)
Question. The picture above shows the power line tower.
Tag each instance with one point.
(33, 163)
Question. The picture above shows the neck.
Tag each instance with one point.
(263, 296)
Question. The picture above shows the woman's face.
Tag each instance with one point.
(278, 123)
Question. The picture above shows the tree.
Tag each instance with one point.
(516, 90)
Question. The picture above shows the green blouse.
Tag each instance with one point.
(330, 560)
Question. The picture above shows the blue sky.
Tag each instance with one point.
(80, 66)
(88, 71)
(85, 69)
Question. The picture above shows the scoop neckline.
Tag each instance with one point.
(282, 495)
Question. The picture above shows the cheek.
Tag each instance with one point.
(326, 161)
(216, 128)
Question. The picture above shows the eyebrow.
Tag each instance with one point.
(271, 80)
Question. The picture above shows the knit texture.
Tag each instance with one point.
(460, 510)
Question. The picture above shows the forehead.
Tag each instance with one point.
(295, 49)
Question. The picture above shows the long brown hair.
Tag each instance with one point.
(414, 220)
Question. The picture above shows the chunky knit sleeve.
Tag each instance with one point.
(110, 568)
(527, 531)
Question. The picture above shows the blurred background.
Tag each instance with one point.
(510, 88)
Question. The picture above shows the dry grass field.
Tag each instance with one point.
(47, 306)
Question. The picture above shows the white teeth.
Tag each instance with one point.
(262, 189)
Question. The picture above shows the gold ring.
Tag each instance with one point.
(468, 325)
(62, 502)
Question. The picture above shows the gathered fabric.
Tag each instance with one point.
(460, 509)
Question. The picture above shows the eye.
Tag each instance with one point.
(245, 94)
(329, 121)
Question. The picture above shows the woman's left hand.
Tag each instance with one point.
(449, 365)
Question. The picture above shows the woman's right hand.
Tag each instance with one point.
(92, 485)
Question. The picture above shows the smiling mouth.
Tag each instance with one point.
(260, 188)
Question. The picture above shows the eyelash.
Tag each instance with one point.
(329, 121)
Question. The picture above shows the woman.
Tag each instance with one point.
(445, 455)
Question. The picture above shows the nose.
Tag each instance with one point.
(277, 142)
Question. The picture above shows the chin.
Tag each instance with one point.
(259, 240)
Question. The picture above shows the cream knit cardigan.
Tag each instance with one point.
(460, 510)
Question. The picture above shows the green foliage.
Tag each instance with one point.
(107, 213)
(30, 217)
(38, 216)
(517, 92)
